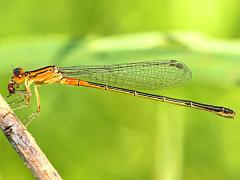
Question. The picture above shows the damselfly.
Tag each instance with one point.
(127, 78)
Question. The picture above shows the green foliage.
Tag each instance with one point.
(92, 134)
(104, 17)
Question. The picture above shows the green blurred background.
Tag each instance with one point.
(97, 135)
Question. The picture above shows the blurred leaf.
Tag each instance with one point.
(89, 133)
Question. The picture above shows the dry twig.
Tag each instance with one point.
(25, 145)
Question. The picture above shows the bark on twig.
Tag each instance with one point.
(24, 144)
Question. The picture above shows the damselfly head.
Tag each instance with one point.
(17, 78)
(18, 75)
(18, 71)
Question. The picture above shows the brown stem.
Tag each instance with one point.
(24, 144)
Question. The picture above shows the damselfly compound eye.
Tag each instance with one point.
(18, 71)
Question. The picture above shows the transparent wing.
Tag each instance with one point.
(150, 75)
